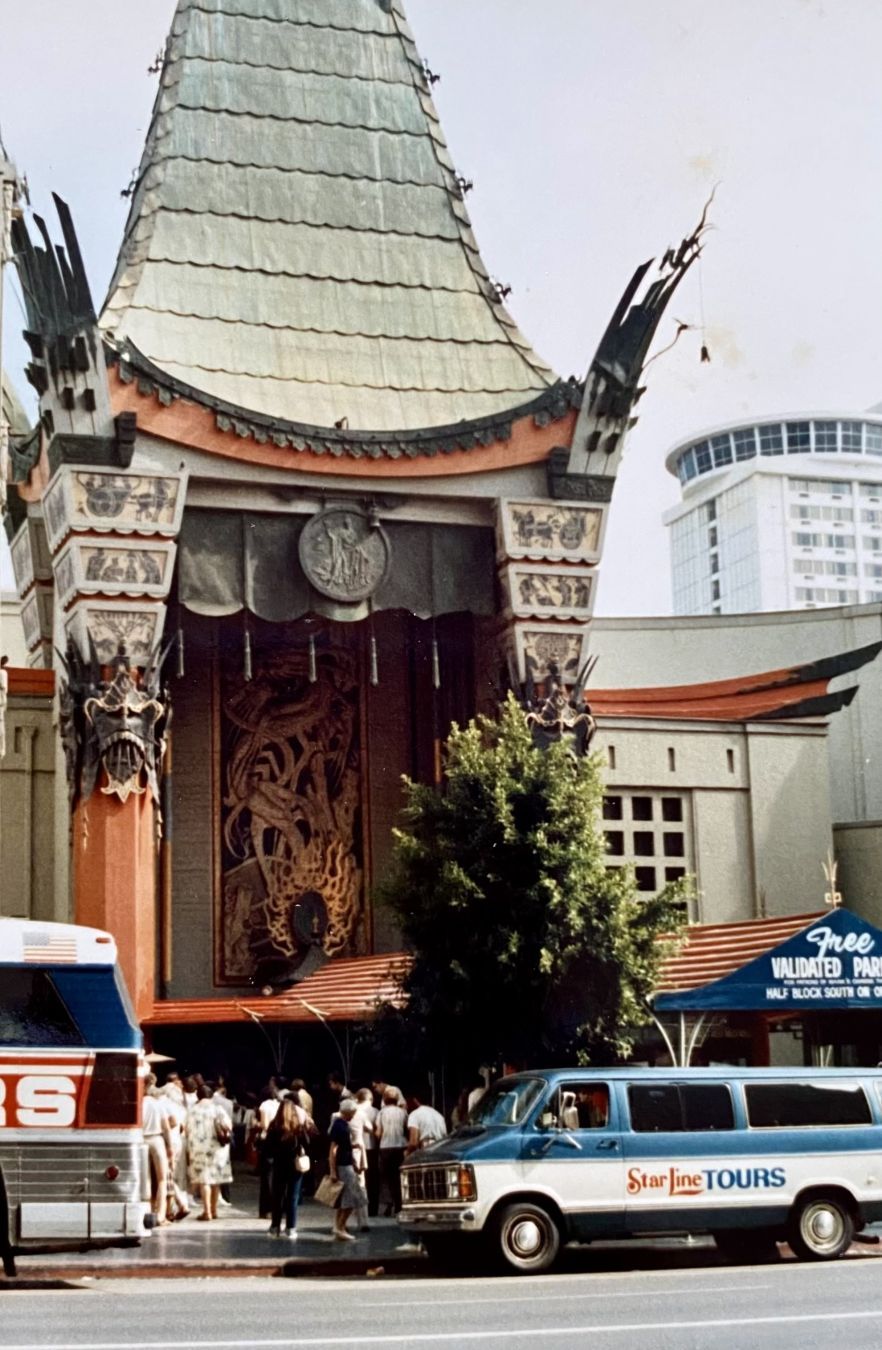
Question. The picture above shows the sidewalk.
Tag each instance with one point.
(240, 1243)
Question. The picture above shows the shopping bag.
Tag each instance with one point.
(328, 1191)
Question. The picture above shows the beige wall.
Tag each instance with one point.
(859, 853)
(759, 818)
(27, 812)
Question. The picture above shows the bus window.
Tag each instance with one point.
(33, 1014)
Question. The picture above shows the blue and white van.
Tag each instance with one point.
(753, 1156)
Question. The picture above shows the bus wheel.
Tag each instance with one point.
(752, 1246)
(821, 1228)
(528, 1238)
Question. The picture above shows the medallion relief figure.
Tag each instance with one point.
(344, 554)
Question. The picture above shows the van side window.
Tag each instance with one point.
(581, 1106)
(659, 1107)
(654, 1108)
(789, 1105)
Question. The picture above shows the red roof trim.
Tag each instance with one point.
(342, 991)
(711, 951)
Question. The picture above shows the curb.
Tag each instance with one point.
(289, 1268)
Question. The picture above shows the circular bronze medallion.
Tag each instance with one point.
(343, 555)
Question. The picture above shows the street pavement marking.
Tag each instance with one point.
(421, 1338)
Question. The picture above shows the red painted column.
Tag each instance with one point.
(115, 862)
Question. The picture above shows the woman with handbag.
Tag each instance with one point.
(343, 1168)
(208, 1133)
(286, 1146)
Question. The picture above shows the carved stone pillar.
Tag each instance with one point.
(548, 553)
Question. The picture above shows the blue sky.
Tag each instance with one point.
(593, 133)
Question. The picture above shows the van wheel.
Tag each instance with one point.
(450, 1253)
(752, 1246)
(528, 1238)
(821, 1229)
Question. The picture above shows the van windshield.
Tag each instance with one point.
(507, 1102)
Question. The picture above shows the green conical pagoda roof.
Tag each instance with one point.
(298, 245)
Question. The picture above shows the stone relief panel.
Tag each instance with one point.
(550, 530)
(540, 591)
(344, 554)
(289, 846)
(22, 559)
(125, 567)
(113, 622)
(129, 503)
(544, 651)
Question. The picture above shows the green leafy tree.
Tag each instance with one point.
(527, 948)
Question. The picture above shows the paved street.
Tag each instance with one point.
(703, 1308)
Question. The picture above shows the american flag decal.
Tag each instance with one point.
(48, 950)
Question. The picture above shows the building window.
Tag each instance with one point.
(710, 509)
(641, 808)
(730, 760)
(644, 844)
(702, 456)
(799, 438)
(771, 440)
(712, 536)
(851, 437)
(674, 873)
(615, 843)
(672, 809)
(673, 843)
(825, 437)
(871, 490)
(645, 877)
(672, 754)
(611, 756)
(715, 589)
(722, 448)
(873, 434)
(745, 443)
(714, 563)
(612, 808)
(873, 570)
(687, 466)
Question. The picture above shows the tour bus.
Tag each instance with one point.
(752, 1156)
(73, 1167)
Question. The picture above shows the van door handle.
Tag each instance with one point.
(607, 1145)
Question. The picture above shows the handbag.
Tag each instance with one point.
(222, 1131)
(328, 1191)
(302, 1161)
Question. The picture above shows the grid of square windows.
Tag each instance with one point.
(649, 832)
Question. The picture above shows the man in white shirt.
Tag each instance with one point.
(157, 1137)
(425, 1126)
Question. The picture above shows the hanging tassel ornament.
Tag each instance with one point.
(375, 676)
(436, 665)
(246, 665)
(180, 653)
(313, 673)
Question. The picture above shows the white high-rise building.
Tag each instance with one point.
(780, 513)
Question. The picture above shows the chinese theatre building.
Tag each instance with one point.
(300, 496)
(305, 448)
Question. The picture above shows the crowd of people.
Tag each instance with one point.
(359, 1139)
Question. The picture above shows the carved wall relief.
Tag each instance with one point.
(344, 554)
(290, 830)
(550, 530)
(537, 590)
(127, 503)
